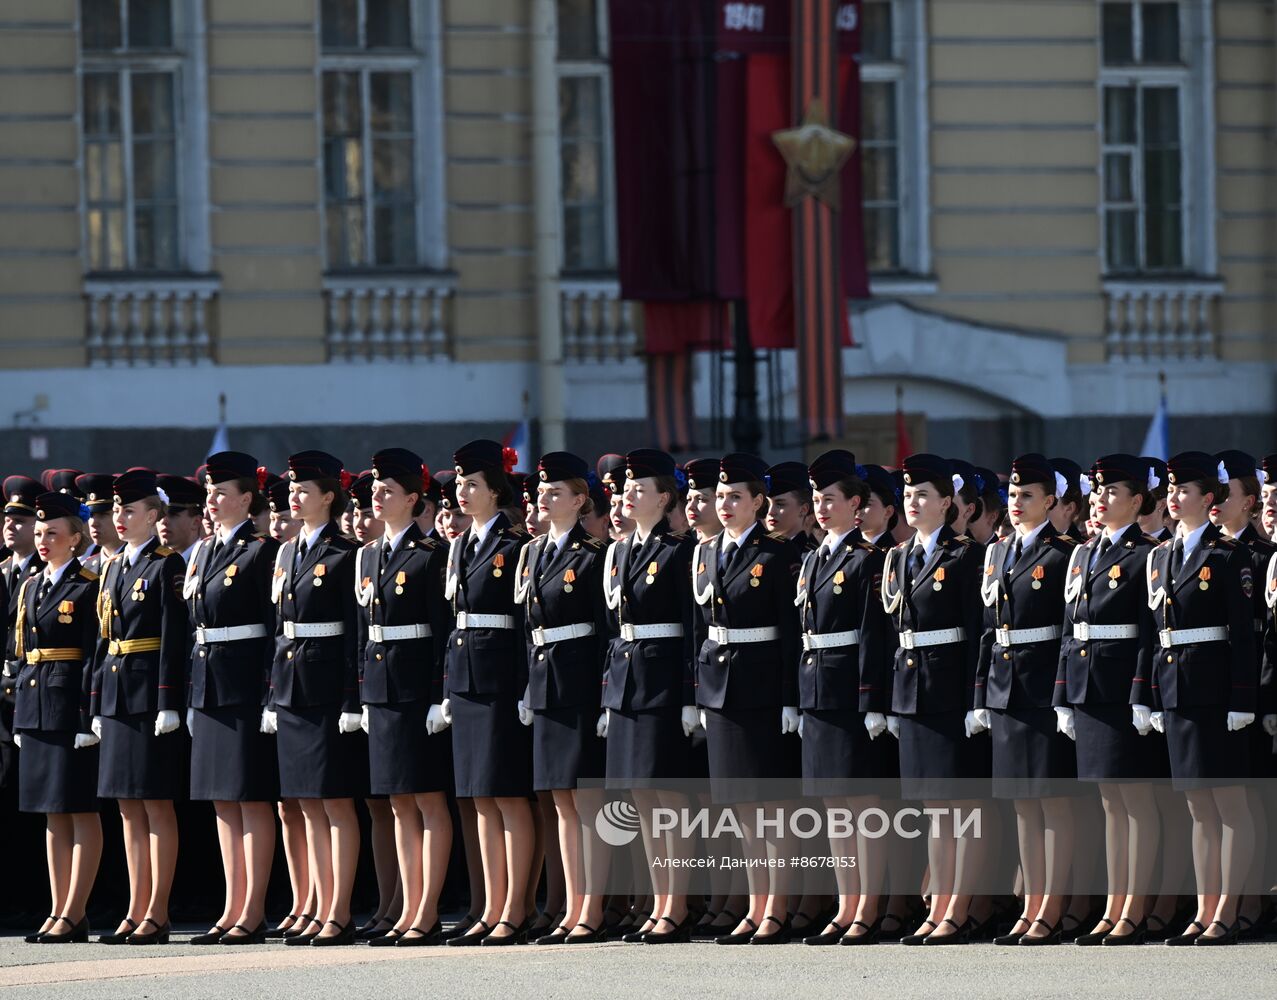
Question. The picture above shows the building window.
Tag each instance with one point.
(585, 137)
(131, 85)
(379, 75)
(1155, 105)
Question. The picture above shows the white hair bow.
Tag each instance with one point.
(1262, 476)
(1061, 485)
(1153, 480)
(958, 483)
(162, 495)
(1223, 473)
(1084, 483)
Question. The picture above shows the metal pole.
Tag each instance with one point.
(747, 429)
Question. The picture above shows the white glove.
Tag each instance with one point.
(17, 740)
(166, 721)
(270, 722)
(893, 725)
(1157, 721)
(435, 722)
(600, 727)
(96, 725)
(363, 719)
(348, 722)
(982, 716)
(788, 720)
(7, 672)
(1239, 720)
(445, 706)
(971, 724)
(704, 719)
(525, 713)
(801, 723)
(1141, 719)
(690, 720)
(190, 722)
(1269, 722)
(875, 724)
(85, 740)
(1064, 722)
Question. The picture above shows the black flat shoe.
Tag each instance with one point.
(1179, 940)
(1097, 937)
(554, 937)
(539, 930)
(1014, 936)
(1053, 935)
(301, 940)
(34, 938)
(520, 935)
(1159, 933)
(896, 932)
(1253, 931)
(869, 937)
(280, 931)
(782, 936)
(158, 936)
(961, 934)
(118, 937)
(255, 936)
(460, 927)
(917, 937)
(471, 940)
(827, 937)
(640, 931)
(387, 940)
(593, 937)
(714, 929)
(78, 934)
(1071, 934)
(299, 926)
(345, 935)
(210, 936)
(681, 932)
(742, 938)
(1137, 935)
(1228, 937)
(425, 938)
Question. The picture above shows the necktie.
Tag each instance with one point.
(46, 584)
(824, 555)
(1177, 558)
(217, 545)
(302, 549)
(1016, 552)
(1105, 544)
(472, 546)
(917, 556)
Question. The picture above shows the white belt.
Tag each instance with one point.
(1084, 632)
(1187, 636)
(313, 630)
(830, 640)
(466, 619)
(936, 637)
(632, 633)
(390, 633)
(232, 633)
(730, 636)
(545, 636)
(1024, 636)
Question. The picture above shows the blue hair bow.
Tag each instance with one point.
(767, 482)
(979, 483)
(680, 477)
(862, 472)
(85, 513)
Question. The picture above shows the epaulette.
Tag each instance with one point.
(429, 544)
(259, 535)
(516, 531)
(962, 538)
(595, 543)
(1151, 540)
(867, 546)
(163, 551)
(777, 536)
(88, 574)
(1227, 543)
(1068, 540)
(678, 536)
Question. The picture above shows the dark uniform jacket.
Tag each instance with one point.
(755, 590)
(1113, 592)
(404, 588)
(232, 586)
(647, 674)
(1215, 587)
(941, 678)
(838, 595)
(564, 587)
(142, 601)
(1026, 595)
(487, 661)
(319, 670)
(53, 696)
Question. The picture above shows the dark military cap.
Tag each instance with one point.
(1192, 466)
(483, 456)
(986, 482)
(558, 466)
(134, 485)
(924, 468)
(1072, 473)
(95, 489)
(310, 465)
(50, 506)
(1120, 468)
(883, 484)
(1238, 464)
(228, 465)
(832, 467)
(521, 484)
(963, 468)
(61, 481)
(648, 463)
(361, 491)
(180, 493)
(598, 493)
(787, 477)
(741, 468)
(1034, 468)
(277, 494)
(702, 473)
(400, 463)
(611, 471)
(1269, 468)
(20, 493)
(447, 480)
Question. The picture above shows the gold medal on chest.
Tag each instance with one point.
(1203, 579)
(569, 577)
(755, 572)
(318, 579)
(1039, 573)
(652, 567)
(231, 570)
(938, 576)
(497, 562)
(839, 579)
(400, 579)
(1115, 574)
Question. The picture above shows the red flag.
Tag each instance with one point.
(904, 447)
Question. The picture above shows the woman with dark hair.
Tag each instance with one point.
(1201, 592)
(56, 632)
(1071, 505)
(1103, 690)
(404, 623)
(1153, 523)
(139, 692)
(747, 675)
(931, 590)
(227, 589)
(878, 516)
(487, 671)
(993, 504)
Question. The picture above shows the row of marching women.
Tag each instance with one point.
(1086, 655)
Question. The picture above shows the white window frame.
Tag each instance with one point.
(425, 63)
(187, 61)
(1194, 79)
(601, 70)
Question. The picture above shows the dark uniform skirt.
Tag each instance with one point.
(491, 748)
(566, 748)
(231, 760)
(316, 761)
(54, 777)
(137, 764)
(647, 748)
(404, 759)
(1031, 759)
(1204, 754)
(1109, 748)
(747, 750)
(839, 758)
(938, 761)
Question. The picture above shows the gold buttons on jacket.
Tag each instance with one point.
(1082, 653)
(1169, 658)
(115, 668)
(909, 662)
(722, 657)
(33, 682)
(541, 656)
(1006, 656)
(379, 656)
(460, 641)
(289, 654)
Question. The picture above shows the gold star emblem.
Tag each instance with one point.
(815, 154)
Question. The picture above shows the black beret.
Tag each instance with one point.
(182, 493)
(1238, 463)
(986, 482)
(557, 466)
(963, 468)
(50, 506)
(1033, 468)
(1120, 468)
(647, 463)
(134, 485)
(598, 493)
(483, 456)
(277, 494)
(1269, 468)
(61, 481)
(1191, 466)
(400, 463)
(702, 474)
(228, 465)
(1072, 473)
(361, 490)
(787, 477)
(832, 467)
(925, 468)
(741, 468)
(95, 489)
(309, 465)
(20, 494)
(611, 470)
(521, 484)
(447, 480)
(883, 484)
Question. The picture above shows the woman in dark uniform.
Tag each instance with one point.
(314, 700)
(1201, 592)
(843, 687)
(1034, 762)
(747, 678)
(1153, 524)
(405, 620)
(1103, 687)
(931, 590)
(560, 585)
(487, 671)
(55, 635)
(233, 764)
(139, 694)
(878, 516)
